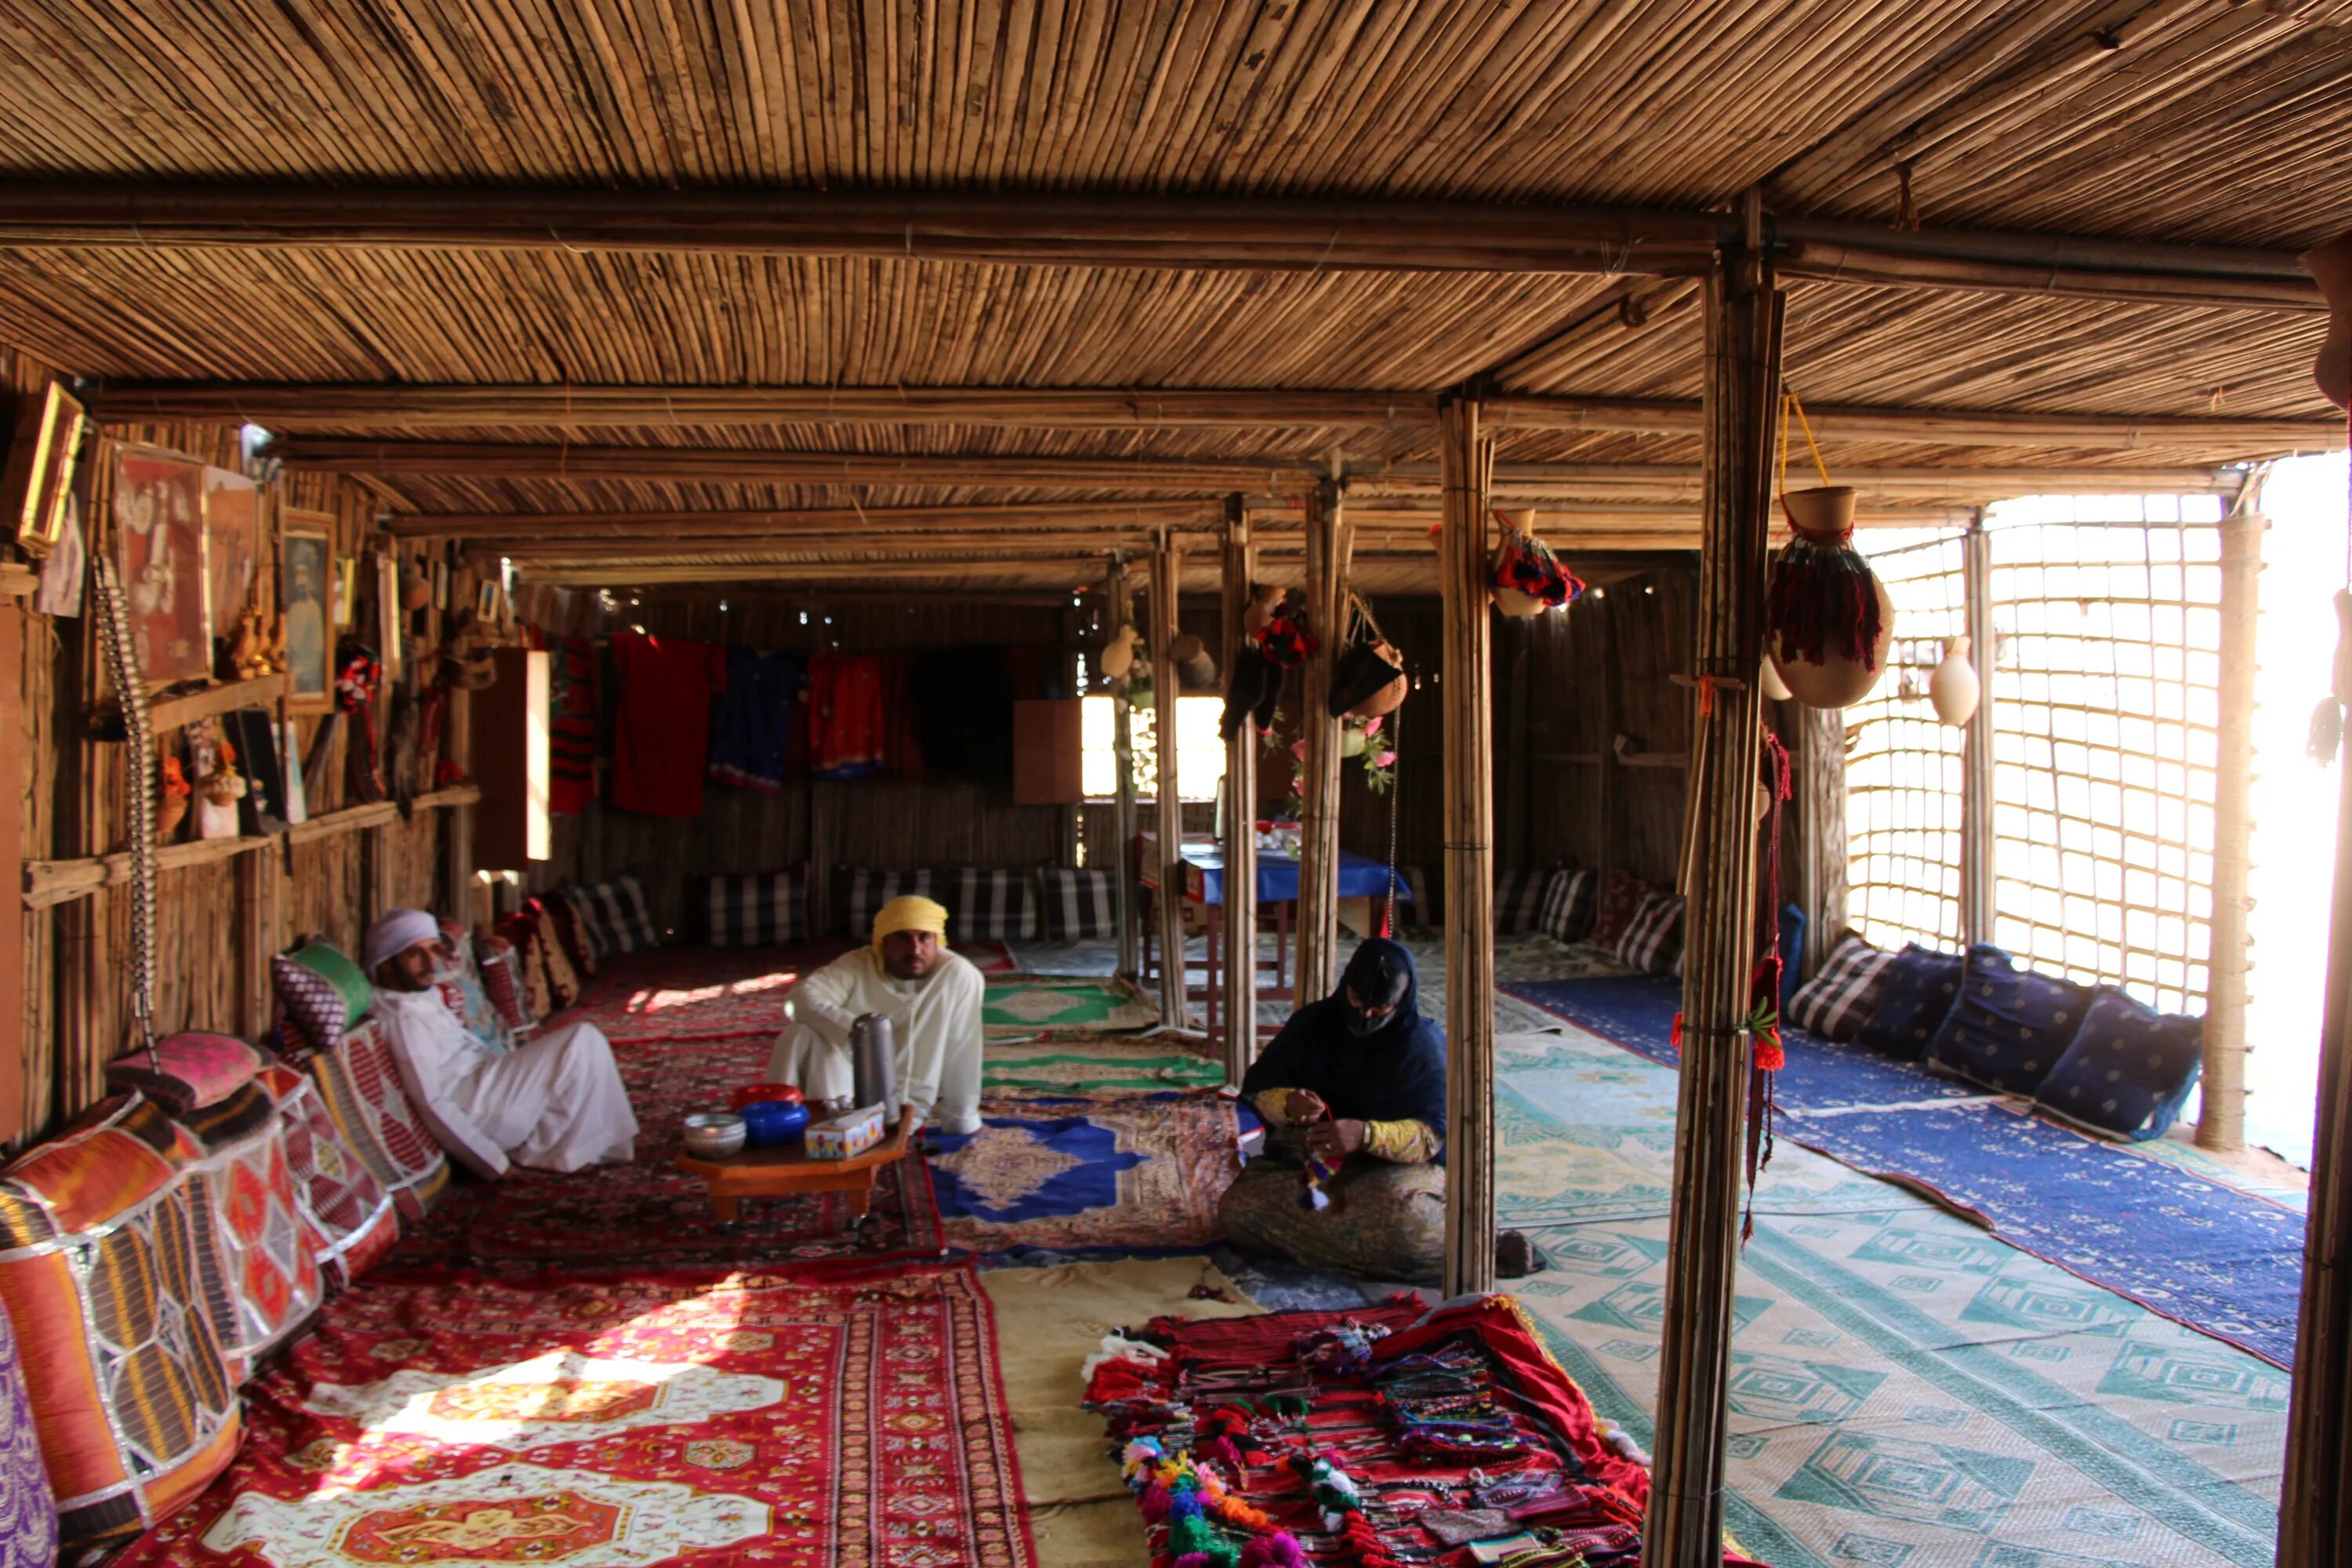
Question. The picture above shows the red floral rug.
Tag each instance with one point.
(652, 1216)
(700, 993)
(856, 1421)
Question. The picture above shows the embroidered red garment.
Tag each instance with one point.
(846, 718)
(852, 1420)
(661, 748)
(572, 730)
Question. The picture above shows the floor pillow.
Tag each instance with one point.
(1078, 905)
(1652, 939)
(258, 1262)
(2129, 1071)
(132, 1396)
(1520, 900)
(186, 1070)
(1835, 1003)
(991, 905)
(459, 979)
(867, 891)
(1621, 900)
(764, 909)
(374, 1120)
(562, 919)
(2010, 1025)
(321, 993)
(28, 1513)
(1568, 906)
(459, 1137)
(622, 923)
(1914, 993)
(351, 1217)
(503, 981)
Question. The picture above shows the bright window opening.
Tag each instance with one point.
(1199, 748)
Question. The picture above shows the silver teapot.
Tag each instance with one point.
(874, 1061)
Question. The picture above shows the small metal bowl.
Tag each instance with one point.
(715, 1134)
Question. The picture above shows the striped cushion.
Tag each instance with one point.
(1653, 939)
(617, 916)
(1518, 900)
(1621, 900)
(1567, 912)
(1078, 905)
(768, 909)
(991, 906)
(867, 891)
(1834, 1003)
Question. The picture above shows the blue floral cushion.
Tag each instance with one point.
(1914, 994)
(2129, 1070)
(2010, 1025)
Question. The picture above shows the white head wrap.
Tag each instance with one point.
(396, 931)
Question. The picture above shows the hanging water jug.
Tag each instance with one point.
(873, 1056)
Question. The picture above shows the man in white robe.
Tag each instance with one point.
(555, 1102)
(932, 998)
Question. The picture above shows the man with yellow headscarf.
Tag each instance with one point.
(932, 998)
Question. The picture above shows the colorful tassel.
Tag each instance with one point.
(1822, 601)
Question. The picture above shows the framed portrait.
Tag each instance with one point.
(40, 471)
(306, 580)
(233, 545)
(388, 617)
(159, 542)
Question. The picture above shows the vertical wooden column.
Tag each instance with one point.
(1130, 914)
(457, 831)
(1684, 1528)
(1167, 579)
(1239, 911)
(1466, 466)
(2221, 1123)
(1820, 829)
(1976, 855)
(15, 1047)
(1329, 544)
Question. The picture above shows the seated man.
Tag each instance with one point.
(555, 1102)
(1358, 1080)
(932, 998)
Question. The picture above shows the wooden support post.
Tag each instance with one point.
(1130, 913)
(1239, 911)
(1684, 1528)
(1167, 577)
(375, 861)
(1820, 829)
(257, 897)
(1329, 544)
(1467, 458)
(1977, 858)
(2221, 1123)
(15, 1039)
(457, 826)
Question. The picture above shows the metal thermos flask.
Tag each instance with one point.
(874, 1061)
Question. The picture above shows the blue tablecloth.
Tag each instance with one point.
(1278, 876)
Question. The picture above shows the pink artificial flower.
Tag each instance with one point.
(1298, 747)
(1373, 725)
(1385, 760)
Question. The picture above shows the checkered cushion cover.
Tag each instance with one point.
(1518, 900)
(588, 921)
(765, 909)
(991, 905)
(1078, 905)
(320, 994)
(188, 1070)
(1834, 1003)
(618, 916)
(1653, 939)
(1568, 903)
(867, 892)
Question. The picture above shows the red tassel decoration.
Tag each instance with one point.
(1826, 617)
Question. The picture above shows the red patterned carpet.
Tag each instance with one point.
(852, 1421)
(700, 993)
(652, 1216)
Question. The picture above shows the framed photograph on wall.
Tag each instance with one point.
(306, 582)
(40, 471)
(233, 544)
(159, 544)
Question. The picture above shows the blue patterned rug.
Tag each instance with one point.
(2221, 1261)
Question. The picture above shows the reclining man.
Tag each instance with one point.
(932, 998)
(555, 1102)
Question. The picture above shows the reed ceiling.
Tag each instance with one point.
(2178, 120)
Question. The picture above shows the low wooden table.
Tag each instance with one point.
(787, 1168)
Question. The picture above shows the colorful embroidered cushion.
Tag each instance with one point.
(451, 1128)
(1834, 1003)
(132, 1396)
(2010, 1025)
(28, 1514)
(1518, 900)
(1914, 992)
(766, 909)
(991, 906)
(503, 981)
(187, 1071)
(587, 921)
(869, 891)
(255, 1260)
(321, 994)
(374, 1120)
(563, 919)
(621, 921)
(460, 980)
(1653, 939)
(1621, 900)
(351, 1217)
(2129, 1071)
(1078, 905)
(1568, 906)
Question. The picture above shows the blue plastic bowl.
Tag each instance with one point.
(773, 1122)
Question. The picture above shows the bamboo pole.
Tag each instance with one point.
(1463, 694)
(1329, 549)
(1167, 574)
(1978, 871)
(2222, 1121)
(1120, 606)
(771, 523)
(1240, 909)
(1684, 1526)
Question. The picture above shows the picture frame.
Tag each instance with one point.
(232, 505)
(41, 466)
(347, 592)
(389, 619)
(160, 550)
(306, 585)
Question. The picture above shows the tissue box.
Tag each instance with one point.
(847, 1135)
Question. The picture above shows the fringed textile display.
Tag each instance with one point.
(1525, 563)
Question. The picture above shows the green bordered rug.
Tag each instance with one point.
(1022, 1006)
(1078, 1067)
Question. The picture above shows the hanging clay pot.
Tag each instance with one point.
(416, 588)
(1775, 688)
(1510, 601)
(1953, 688)
(1388, 697)
(1267, 599)
(1195, 670)
(1119, 653)
(2331, 264)
(1822, 603)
